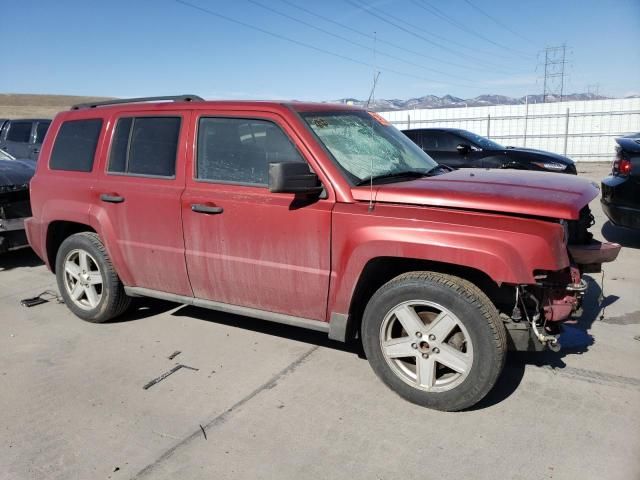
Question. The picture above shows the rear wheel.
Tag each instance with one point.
(87, 280)
(435, 339)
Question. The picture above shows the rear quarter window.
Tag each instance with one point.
(75, 145)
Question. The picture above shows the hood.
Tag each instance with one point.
(503, 191)
(543, 154)
(16, 172)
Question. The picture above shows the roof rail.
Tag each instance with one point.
(118, 101)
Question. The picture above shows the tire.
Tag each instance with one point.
(457, 352)
(87, 281)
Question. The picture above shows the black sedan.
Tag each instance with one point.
(458, 148)
(621, 190)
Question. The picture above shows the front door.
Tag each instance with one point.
(139, 191)
(244, 245)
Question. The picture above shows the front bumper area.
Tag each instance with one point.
(12, 234)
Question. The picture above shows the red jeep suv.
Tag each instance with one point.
(319, 216)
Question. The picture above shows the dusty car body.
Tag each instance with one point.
(14, 200)
(319, 216)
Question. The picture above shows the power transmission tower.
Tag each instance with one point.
(554, 72)
(593, 89)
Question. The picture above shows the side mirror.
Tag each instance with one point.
(463, 148)
(293, 177)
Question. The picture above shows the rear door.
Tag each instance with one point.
(139, 193)
(244, 245)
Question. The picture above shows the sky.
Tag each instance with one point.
(292, 49)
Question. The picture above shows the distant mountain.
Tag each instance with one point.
(449, 101)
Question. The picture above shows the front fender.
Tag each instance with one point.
(507, 249)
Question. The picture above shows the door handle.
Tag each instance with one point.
(199, 208)
(105, 197)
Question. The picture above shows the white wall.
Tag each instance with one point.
(592, 126)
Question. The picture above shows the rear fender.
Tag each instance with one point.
(101, 222)
(55, 210)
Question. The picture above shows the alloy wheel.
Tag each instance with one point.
(426, 345)
(83, 279)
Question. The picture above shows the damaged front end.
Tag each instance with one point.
(14, 201)
(540, 310)
(14, 208)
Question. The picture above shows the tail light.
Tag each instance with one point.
(621, 166)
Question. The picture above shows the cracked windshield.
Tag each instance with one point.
(366, 146)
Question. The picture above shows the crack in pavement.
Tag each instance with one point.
(222, 418)
(592, 376)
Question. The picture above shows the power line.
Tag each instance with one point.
(386, 42)
(303, 44)
(345, 39)
(440, 14)
(377, 13)
(498, 22)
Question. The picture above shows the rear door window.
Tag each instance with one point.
(145, 146)
(439, 141)
(75, 146)
(415, 137)
(19, 132)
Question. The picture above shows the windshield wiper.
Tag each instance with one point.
(407, 174)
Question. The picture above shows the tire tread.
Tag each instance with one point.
(475, 297)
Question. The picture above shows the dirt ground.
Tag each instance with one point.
(38, 106)
(271, 401)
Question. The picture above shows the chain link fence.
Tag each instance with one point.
(584, 131)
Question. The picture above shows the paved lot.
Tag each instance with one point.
(280, 402)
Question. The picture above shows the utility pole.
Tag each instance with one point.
(554, 72)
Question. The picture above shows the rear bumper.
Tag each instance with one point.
(622, 216)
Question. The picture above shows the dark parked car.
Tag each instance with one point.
(463, 149)
(621, 190)
(22, 138)
(14, 200)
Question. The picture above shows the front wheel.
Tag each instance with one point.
(435, 339)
